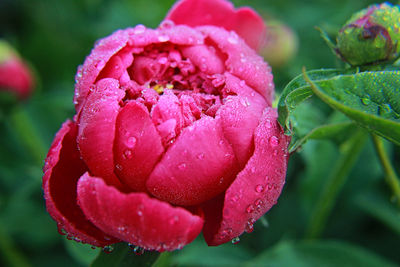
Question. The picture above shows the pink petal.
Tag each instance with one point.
(137, 146)
(245, 21)
(243, 62)
(239, 118)
(136, 218)
(198, 166)
(205, 59)
(95, 62)
(62, 169)
(256, 188)
(97, 129)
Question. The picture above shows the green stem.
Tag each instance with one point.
(9, 252)
(334, 184)
(390, 174)
(26, 132)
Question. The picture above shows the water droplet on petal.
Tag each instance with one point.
(163, 38)
(167, 24)
(131, 142)
(233, 38)
(128, 154)
(200, 156)
(235, 240)
(182, 166)
(118, 167)
(250, 208)
(260, 188)
(139, 29)
(273, 141)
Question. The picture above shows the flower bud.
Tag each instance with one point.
(15, 76)
(280, 45)
(370, 36)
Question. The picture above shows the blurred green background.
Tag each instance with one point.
(363, 228)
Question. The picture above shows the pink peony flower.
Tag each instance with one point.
(15, 75)
(174, 134)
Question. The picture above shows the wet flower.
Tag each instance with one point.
(370, 36)
(15, 76)
(174, 134)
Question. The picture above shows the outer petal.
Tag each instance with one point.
(244, 21)
(256, 188)
(62, 169)
(243, 62)
(137, 146)
(95, 62)
(97, 129)
(239, 119)
(198, 166)
(136, 218)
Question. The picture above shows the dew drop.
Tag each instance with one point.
(128, 154)
(200, 156)
(139, 29)
(108, 249)
(366, 100)
(385, 110)
(136, 249)
(273, 141)
(118, 167)
(235, 198)
(221, 180)
(100, 64)
(260, 188)
(235, 240)
(131, 142)
(163, 38)
(250, 208)
(233, 38)
(250, 225)
(268, 124)
(167, 24)
(182, 166)
(174, 220)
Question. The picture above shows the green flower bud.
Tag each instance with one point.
(370, 36)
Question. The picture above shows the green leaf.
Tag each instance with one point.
(372, 99)
(381, 209)
(298, 90)
(122, 255)
(82, 253)
(329, 131)
(318, 253)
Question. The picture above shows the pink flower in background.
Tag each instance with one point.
(15, 75)
(174, 134)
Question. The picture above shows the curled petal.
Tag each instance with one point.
(244, 21)
(135, 217)
(62, 169)
(243, 62)
(255, 189)
(198, 166)
(97, 129)
(204, 58)
(137, 146)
